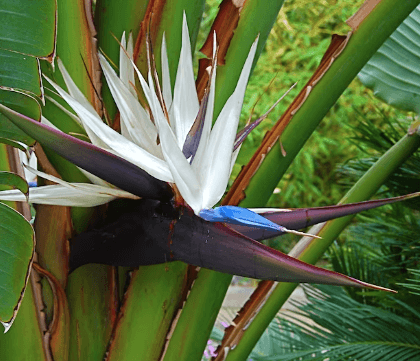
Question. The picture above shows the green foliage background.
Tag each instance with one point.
(294, 49)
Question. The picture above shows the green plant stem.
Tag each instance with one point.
(194, 331)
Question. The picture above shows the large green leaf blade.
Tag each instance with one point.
(393, 72)
(25, 26)
(20, 85)
(16, 253)
(27, 32)
(20, 73)
(20, 89)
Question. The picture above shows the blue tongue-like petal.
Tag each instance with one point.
(240, 216)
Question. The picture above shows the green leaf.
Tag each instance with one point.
(393, 73)
(20, 85)
(11, 345)
(20, 81)
(14, 180)
(28, 27)
(19, 73)
(16, 253)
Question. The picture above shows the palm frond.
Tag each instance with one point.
(333, 326)
(354, 260)
(414, 283)
(374, 141)
(375, 235)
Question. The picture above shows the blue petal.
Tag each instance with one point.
(241, 216)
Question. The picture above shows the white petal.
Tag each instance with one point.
(89, 109)
(166, 79)
(216, 165)
(137, 125)
(93, 178)
(126, 75)
(73, 89)
(182, 172)
(126, 69)
(208, 121)
(79, 195)
(113, 140)
(143, 83)
(100, 191)
(185, 104)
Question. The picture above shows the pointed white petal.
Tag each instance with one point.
(89, 110)
(216, 165)
(208, 121)
(93, 178)
(126, 69)
(143, 83)
(79, 195)
(137, 124)
(166, 79)
(93, 192)
(185, 104)
(126, 76)
(108, 138)
(73, 89)
(182, 172)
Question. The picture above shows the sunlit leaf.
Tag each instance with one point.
(37, 36)
(393, 72)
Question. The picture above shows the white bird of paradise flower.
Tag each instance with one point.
(201, 175)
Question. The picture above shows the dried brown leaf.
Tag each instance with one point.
(224, 26)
